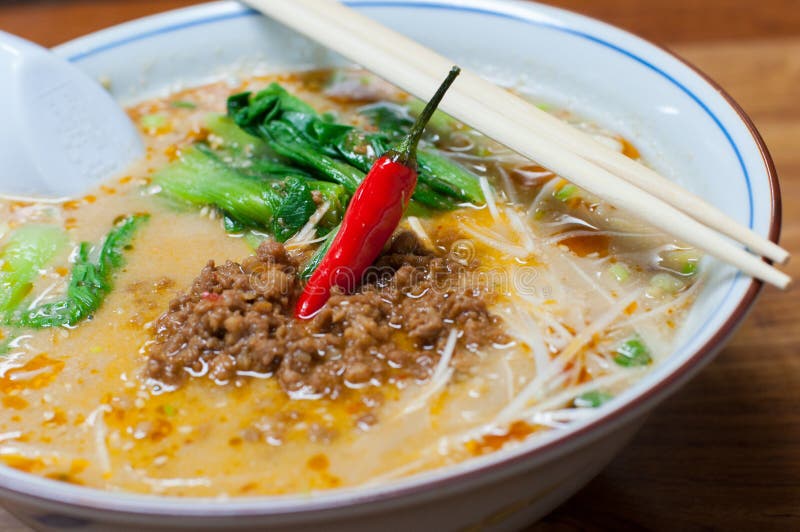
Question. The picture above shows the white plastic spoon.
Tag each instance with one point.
(60, 131)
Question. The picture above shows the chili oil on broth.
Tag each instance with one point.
(77, 408)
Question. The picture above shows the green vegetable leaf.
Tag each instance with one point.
(279, 206)
(336, 196)
(437, 171)
(251, 111)
(295, 207)
(90, 282)
(28, 249)
(232, 225)
(288, 143)
(390, 118)
(342, 153)
(269, 170)
(449, 177)
(200, 178)
(236, 143)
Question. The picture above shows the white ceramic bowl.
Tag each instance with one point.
(686, 126)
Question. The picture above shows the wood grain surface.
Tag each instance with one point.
(723, 453)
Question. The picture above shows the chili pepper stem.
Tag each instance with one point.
(406, 152)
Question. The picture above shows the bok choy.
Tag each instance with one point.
(29, 249)
(90, 282)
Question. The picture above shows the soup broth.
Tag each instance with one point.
(585, 298)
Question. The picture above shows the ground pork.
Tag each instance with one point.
(237, 317)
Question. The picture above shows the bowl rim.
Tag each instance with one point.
(17, 484)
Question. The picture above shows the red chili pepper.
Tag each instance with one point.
(374, 213)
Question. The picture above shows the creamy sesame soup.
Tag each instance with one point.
(509, 302)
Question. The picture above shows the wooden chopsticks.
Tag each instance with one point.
(533, 133)
(546, 124)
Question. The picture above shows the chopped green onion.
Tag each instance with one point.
(620, 272)
(235, 140)
(680, 261)
(155, 121)
(689, 268)
(183, 104)
(483, 151)
(633, 352)
(664, 283)
(566, 192)
(592, 399)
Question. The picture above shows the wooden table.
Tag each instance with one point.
(724, 453)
